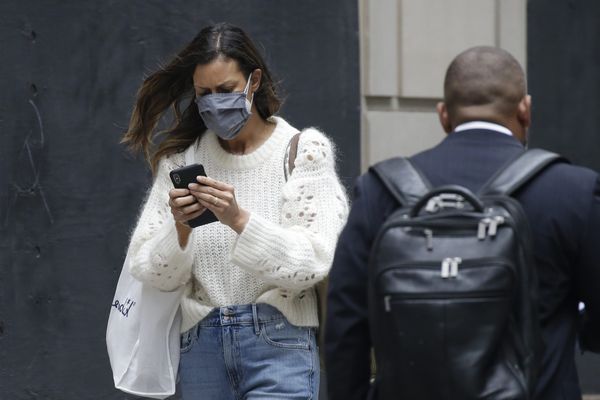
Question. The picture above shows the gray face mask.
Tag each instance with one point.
(225, 113)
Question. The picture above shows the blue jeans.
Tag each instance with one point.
(248, 352)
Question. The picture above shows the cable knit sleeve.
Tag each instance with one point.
(154, 252)
(297, 253)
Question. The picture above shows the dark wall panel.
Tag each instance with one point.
(564, 80)
(564, 77)
(69, 193)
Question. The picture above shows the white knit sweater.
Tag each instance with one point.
(285, 249)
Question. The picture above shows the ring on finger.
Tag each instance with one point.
(215, 201)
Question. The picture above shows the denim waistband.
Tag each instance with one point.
(245, 314)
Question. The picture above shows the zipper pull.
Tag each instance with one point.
(498, 220)
(445, 271)
(433, 205)
(429, 239)
(454, 266)
(386, 303)
(482, 228)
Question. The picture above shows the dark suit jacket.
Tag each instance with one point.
(563, 208)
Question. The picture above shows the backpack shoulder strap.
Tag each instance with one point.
(402, 179)
(290, 155)
(519, 171)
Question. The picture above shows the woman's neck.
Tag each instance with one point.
(252, 136)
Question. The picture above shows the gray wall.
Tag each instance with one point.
(406, 47)
(69, 193)
(564, 80)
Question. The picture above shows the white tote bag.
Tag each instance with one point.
(142, 337)
(143, 333)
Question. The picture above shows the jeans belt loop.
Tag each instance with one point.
(255, 318)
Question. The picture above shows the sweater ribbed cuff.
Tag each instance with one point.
(178, 261)
(257, 239)
(167, 243)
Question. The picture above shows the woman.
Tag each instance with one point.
(249, 306)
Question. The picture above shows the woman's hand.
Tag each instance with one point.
(184, 207)
(219, 198)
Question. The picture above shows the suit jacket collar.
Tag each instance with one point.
(490, 137)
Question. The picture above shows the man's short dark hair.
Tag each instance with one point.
(484, 76)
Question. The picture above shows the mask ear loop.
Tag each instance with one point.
(246, 89)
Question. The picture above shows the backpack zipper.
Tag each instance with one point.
(475, 221)
(449, 269)
(387, 299)
(435, 264)
(428, 239)
(487, 226)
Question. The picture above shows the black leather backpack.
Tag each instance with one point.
(452, 288)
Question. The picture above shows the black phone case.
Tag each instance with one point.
(181, 178)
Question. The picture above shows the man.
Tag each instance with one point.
(486, 112)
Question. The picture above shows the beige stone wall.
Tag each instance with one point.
(406, 46)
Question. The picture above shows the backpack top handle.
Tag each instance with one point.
(447, 196)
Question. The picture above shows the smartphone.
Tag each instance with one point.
(181, 178)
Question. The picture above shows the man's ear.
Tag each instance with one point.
(256, 77)
(524, 112)
(442, 112)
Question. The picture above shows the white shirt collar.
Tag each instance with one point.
(483, 125)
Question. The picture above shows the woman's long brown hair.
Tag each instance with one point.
(172, 86)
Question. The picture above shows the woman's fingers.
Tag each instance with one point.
(186, 213)
(211, 202)
(219, 198)
(193, 208)
(212, 197)
(227, 194)
(179, 202)
(184, 205)
(210, 182)
(195, 214)
(175, 193)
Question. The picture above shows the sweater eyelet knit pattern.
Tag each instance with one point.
(285, 249)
